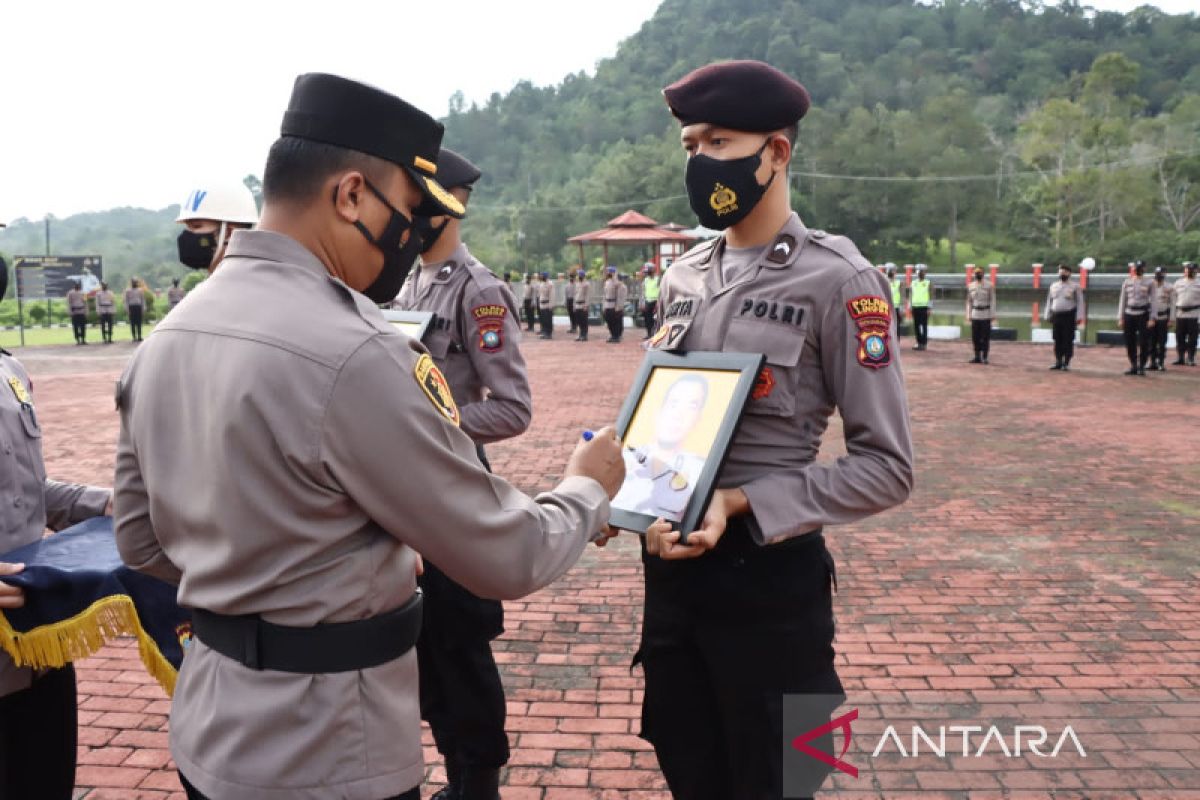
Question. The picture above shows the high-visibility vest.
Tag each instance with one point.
(897, 285)
(920, 293)
(650, 289)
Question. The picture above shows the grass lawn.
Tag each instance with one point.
(37, 336)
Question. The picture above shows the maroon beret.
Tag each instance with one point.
(740, 95)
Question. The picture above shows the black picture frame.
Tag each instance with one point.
(747, 367)
(410, 323)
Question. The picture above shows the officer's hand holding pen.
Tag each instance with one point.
(599, 457)
(10, 596)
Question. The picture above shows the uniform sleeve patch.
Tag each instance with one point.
(873, 317)
(490, 321)
(433, 383)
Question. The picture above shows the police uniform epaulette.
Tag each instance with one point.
(841, 246)
(699, 253)
(479, 273)
(4, 352)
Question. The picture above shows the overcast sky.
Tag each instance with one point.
(130, 102)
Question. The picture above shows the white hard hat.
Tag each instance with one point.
(1088, 263)
(220, 202)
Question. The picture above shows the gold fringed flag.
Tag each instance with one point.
(79, 596)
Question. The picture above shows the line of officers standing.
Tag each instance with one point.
(538, 296)
(134, 299)
(1147, 307)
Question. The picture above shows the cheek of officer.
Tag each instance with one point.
(742, 613)
(291, 497)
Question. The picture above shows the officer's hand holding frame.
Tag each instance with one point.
(676, 427)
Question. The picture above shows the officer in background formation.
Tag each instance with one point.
(609, 304)
(475, 345)
(919, 299)
(583, 305)
(174, 295)
(1137, 310)
(897, 285)
(1164, 297)
(981, 310)
(569, 300)
(622, 302)
(210, 215)
(106, 307)
(545, 305)
(38, 712)
(300, 682)
(749, 617)
(1064, 306)
(135, 304)
(530, 300)
(1187, 315)
(77, 306)
(517, 288)
(650, 291)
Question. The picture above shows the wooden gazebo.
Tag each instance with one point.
(634, 229)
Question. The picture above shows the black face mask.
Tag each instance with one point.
(429, 234)
(979, 277)
(196, 250)
(1062, 276)
(398, 255)
(722, 193)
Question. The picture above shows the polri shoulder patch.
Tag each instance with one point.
(873, 317)
(433, 383)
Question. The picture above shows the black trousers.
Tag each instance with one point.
(38, 734)
(581, 320)
(194, 794)
(724, 637)
(920, 315)
(1158, 339)
(462, 697)
(648, 316)
(571, 314)
(546, 320)
(981, 336)
(1137, 339)
(1064, 335)
(899, 319)
(79, 326)
(135, 322)
(529, 315)
(1186, 331)
(106, 327)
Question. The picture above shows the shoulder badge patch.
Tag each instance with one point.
(18, 390)
(433, 383)
(490, 321)
(873, 316)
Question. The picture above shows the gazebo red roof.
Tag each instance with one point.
(631, 228)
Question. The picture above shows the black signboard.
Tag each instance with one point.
(44, 277)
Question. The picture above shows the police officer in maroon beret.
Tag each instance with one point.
(737, 637)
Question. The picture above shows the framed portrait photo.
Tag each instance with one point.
(675, 427)
(412, 323)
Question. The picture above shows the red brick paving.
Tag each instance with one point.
(1049, 556)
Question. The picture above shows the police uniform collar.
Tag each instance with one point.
(780, 253)
(446, 268)
(272, 246)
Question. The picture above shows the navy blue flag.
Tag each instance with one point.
(79, 596)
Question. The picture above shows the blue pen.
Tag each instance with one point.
(588, 436)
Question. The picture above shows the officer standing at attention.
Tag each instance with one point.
(622, 301)
(323, 454)
(77, 306)
(569, 300)
(1164, 296)
(38, 715)
(1064, 306)
(210, 215)
(546, 306)
(135, 302)
(747, 614)
(609, 305)
(583, 305)
(918, 298)
(530, 300)
(1187, 315)
(981, 310)
(897, 295)
(475, 345)
(1136, 311)
(650, 292)
(106, 307)
(174, 295)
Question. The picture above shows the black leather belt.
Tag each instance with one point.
(1187, 308)
(331, 647)
(1135, 308)
(981, 308)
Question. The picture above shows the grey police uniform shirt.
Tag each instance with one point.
(569, 291)
(1138, 297)
(134, 297)
(610, 294)
(518, 291)
(1164, 299)
(1187, 298)
(287, 452)
(622, 295)
(29, 501)
(174, 295)
(1064, 296)
(76, 302)
(823, 317)
(583, 295)
(545, 295)
(981, 300)
(106, 303)
(475, 342)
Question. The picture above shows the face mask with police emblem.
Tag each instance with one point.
(399, 253)
(722, 193)
(196, 250)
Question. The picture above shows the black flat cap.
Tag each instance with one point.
(741, 95)
(453, 171)
(345, 113)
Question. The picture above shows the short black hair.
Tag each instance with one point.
(298, 168)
